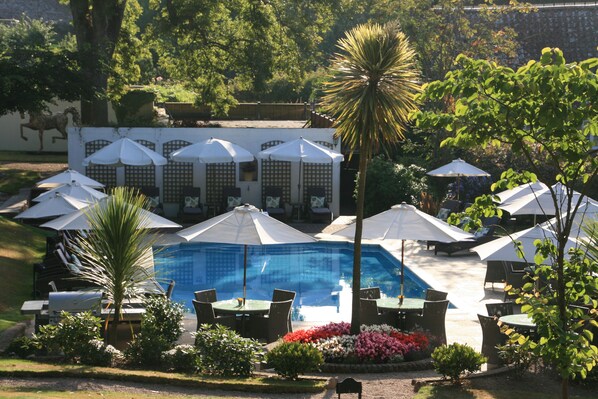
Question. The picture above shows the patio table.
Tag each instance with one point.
(408, 305)
(251, 307)
(521, 320)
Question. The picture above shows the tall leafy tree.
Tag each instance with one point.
(371, 93)
(545, 111)
(28, 50)
(116, 252)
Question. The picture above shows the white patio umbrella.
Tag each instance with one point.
(69, 176)
(302, 151)
(78, 220)
(457, 168)
(406, 222)
(125, 152)
(586, 213)
(212, 151)
(520, 191)
(55, 205)
(540, 202)
(244, 225)
(74, 190)
(504, 248)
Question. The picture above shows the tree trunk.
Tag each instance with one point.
(565, 388)
(363, 164)
(97, 25)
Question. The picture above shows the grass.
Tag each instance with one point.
(36, 393)
(507, 391)
(21, 156)
(20, 247)
(12, 180)
(30, 369)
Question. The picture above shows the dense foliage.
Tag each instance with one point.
(455, 360)
(290, 359)
(373, 344)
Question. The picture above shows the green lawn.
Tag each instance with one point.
(20, 247)
(508, 391)
(36, 393)
(20, 156)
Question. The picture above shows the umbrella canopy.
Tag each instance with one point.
(520, 191)
(78, 220)
(69, 176)
(244, 225)
(302, 151)
(74, 190)
(212, 151)
(125, 152)
(539, 202)
(586, 213)
(504, 248)
(405, 222)
(457, 168)
(55, 205)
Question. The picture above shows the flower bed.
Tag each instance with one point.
(382, 348)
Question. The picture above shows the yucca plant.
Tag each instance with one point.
(370, 93)
(116, 252)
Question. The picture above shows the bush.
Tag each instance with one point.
(290, 359)
(161, 327)
(521, 359)
(128, 107)
(78, 337)
(224, 352)
(182, 358)
(21, 347)
(454, 360)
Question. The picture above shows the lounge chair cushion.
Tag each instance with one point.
(191, 202)
(192, 210)
(443, 213)
(317, 202)
(154, 202)
(233, 201)
(272, 202)
(320, 211)
(481, 232)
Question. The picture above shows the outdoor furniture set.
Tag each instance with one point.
(259, 319)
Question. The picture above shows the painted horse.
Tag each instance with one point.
(42, 122)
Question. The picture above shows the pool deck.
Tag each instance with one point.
(461, 275)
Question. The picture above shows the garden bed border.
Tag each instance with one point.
(418, 365)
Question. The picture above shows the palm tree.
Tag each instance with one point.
(371, 94)
(116, 253)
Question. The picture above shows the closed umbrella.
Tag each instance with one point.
(212, 151)
(74, 190)
(69, 176)
(302, 151)
(244, 225)
(457, 168)
(55, 205)
(504, 248)
(125, 152)
(405, 222)
(78, 220)
(520, 191)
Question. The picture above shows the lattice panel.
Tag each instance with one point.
(176, 175)
(276, 173)
(137, 176)
(326, 144)
(318, 175)
(218, 176)
(104, 174)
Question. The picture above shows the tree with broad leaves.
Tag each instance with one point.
(546, 111)
(371, 92)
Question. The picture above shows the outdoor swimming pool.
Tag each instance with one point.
(320, 273)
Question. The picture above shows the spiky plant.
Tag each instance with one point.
(116, 252)
(371, 94)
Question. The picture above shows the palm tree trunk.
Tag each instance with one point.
(363, 164)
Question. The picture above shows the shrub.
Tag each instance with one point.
(161, 327)
(182, 358)
(21, 347)
(127, 108)
(78, 337)
(521, 359)
(224, 352)
(454, 360)
(290, 359)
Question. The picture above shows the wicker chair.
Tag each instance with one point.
(318, 213)
(515, 276)
(500, 309)
(434, 295)
(481, 236)
(153, 196)
(370, 316)
(279, 295)
(191, 207)
(370, 293)
(431, 319)
(170, 289)
(279, 211)
(495, 272)
(234, 193)
(206, 295)
(205, 315)
(273, 325)
(491, 337)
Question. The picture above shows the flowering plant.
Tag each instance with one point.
(374, 344)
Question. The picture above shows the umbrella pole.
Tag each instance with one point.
(299, 185)
(402, 272)
(244, 274)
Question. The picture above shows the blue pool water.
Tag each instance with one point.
(320, 273)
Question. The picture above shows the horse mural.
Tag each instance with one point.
(42, 122)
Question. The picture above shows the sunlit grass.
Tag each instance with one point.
(505, 392)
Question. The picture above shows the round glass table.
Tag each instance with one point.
(520, 320)
(408, 305)
(251, 307)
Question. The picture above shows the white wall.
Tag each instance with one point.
(249, 138)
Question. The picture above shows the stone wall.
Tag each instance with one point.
(50, 10)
